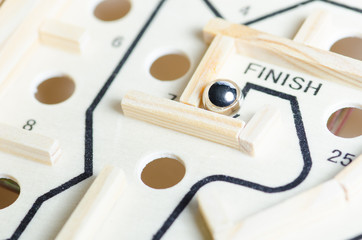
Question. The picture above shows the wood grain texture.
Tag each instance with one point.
(183, 118)
(213, 212)
(29, 145)
(258, 130)
(350, 179)
(295, 213)
(308, 32)
(288, 53)
(326, 200)
(24, 37)
(95, 206)
(62, 35)
(211, 64)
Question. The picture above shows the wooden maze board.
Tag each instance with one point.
(74, 126)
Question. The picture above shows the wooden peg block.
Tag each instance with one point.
(287, 53)
(351, 179)
(62, 35)
(212, 210)
(183, 118)
(300, 211)
(208, 69)
(259, 130)
(30, 145)
(95, 206)
(308, 33)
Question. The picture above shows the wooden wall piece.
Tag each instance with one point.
(213, 212)
(183, 118)
(259, 129)
(307, 208)
(326, 200)
(287, 53)
(308, 32)
(29, 145)
(350, 179)
(95, 206)
(208, 69)
(93, 133)
(61, 35)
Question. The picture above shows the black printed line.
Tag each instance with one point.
(304, 148)
(213, 9)
(88, 155)
(343, 6)
(273, 14)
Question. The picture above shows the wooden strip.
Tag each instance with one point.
(183, 118)
(30, 145)
(295, 213)
(350, 179)
(62, 35)
(287, 53)
(95, 206)
(211, 64)
(309, 32)
(24, 37)
(325, 200)
(212, 210)
(259, 130)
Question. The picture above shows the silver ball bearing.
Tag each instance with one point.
(222, 96)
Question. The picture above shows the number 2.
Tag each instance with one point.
(339, 153)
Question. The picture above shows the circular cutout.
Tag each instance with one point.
(163, 173)
(346, 122)
(111, 10)
(9, 192)
(350, 47)
(170, 67)
(55, 90)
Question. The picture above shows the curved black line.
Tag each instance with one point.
(303, 144)
(88, 155)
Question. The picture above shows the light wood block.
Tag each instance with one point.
(307, 208)
(287, 53)
(29, 145)
(259, 130)
(95, 206)
(24, 37)
(208, 69)
(212, 210)
(308, 32)
(323, 201)
(350, 179)
(183, 118)
(62, 35)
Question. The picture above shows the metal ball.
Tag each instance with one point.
(222, 96)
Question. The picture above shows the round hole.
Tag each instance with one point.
(111, 10)
(55, 90)
(350, 47)
(163, 173)
(9, 192)
(170, 67)
(346, 122)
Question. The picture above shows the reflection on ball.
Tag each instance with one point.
(222, 96)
